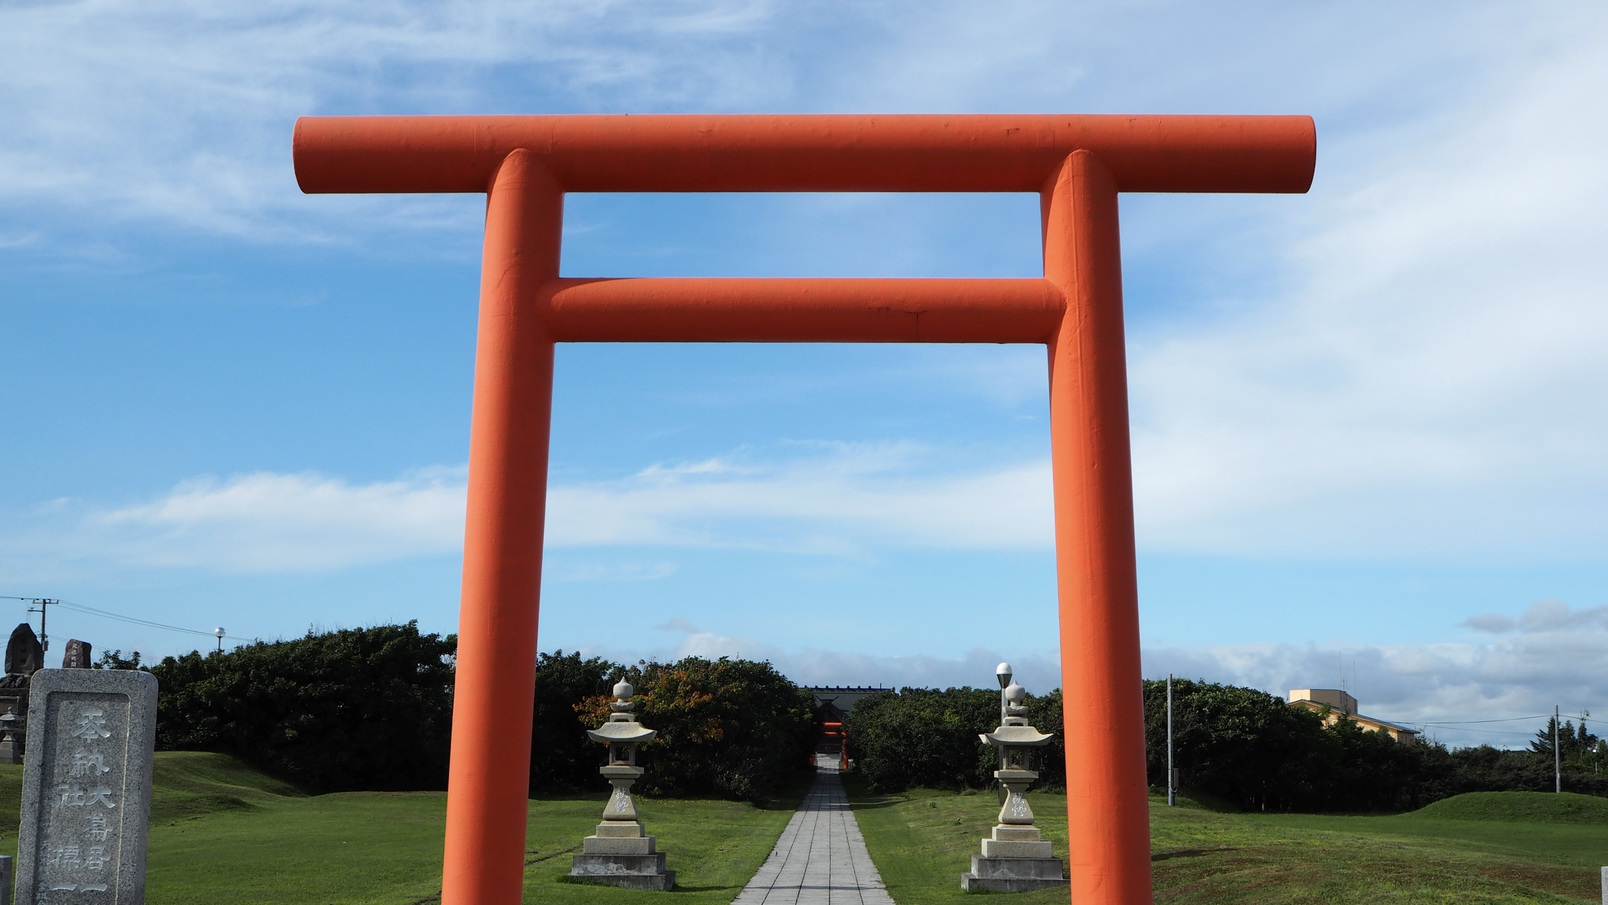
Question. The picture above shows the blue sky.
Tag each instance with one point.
(1369, 422)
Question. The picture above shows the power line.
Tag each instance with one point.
(104, 614)
(1482, 731)
(1508, 719)
(137, 621)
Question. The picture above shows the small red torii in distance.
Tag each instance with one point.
(1077, 165)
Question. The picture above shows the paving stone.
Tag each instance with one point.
(820, 858)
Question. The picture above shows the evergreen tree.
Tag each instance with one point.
(345, 710)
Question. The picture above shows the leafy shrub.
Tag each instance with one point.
(734, 728)
(1044, 712)
(562, 758)
(923, 737)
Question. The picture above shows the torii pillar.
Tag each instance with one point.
(1077, 165)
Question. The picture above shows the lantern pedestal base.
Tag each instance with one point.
(621, 855)
(1016, 859)
(1012, 874)
(628, 869)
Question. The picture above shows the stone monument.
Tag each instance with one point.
(1016, 857)
(86, 790)
(621, 854)
(24, 656)
(77, 655)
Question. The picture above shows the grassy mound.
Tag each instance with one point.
(922, 839)
(188, 784)
(184, 784)
(1520, 807)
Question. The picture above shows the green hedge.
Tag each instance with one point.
(733, 728)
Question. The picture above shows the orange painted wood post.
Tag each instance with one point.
(1108, 821)
(489, 778)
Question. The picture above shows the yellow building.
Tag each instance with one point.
(1333, 704)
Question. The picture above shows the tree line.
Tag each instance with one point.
(371, 709)
(1234, 747)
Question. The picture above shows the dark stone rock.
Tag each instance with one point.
(24, 655)
(77, 656)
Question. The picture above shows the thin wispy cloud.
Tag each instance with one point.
(828, 499)
(256, 523)
(171, 112)
(1037, 669)
(850, 500)
(568, 571)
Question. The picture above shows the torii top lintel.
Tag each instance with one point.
(805, 153)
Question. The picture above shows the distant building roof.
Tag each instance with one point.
(1334, 697)
(843, 697)
(1341, 704)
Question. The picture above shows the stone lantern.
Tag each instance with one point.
(621, 854)
(1016, 857)
(10, 737)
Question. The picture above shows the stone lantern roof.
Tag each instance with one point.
(622, 727)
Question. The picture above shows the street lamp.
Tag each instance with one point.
(219, 632)
(1003, 673)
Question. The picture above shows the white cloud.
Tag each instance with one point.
(1428, 378)
(833, 499)
(266, 522)
(1553, 657)
(170, 111)
(848, 499)
(1038, 671)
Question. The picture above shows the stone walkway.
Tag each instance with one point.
(821, 857)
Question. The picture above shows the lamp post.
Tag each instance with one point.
(1002, 672)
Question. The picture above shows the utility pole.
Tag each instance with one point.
(1557, 757)
(43, 603)
(1172, 793)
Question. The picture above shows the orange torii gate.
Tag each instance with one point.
(1076, 164)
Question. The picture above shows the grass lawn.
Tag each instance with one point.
(1507, 848)
(223, 834)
